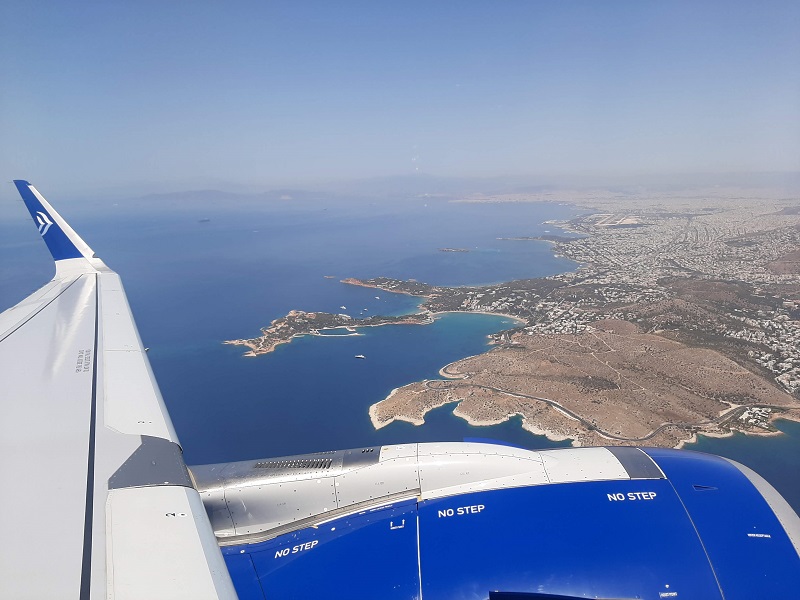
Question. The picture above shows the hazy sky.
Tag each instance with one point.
(192, 94)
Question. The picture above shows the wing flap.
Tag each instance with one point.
(133, 401)
(119, 331)
(130, 406)
(145, 526)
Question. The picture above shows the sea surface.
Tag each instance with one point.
(198, 273)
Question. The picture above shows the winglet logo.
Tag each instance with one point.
(44, 222)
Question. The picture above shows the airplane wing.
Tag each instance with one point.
(99, 500)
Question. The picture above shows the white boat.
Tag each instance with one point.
(360, 356)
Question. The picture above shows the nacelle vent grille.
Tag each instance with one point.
(298, 463)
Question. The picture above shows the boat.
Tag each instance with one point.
(360, 356)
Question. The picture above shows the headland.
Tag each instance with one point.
(299, 323)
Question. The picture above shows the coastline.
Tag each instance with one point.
(526, 424)
(358, 283)
(643, 290)
(555, 436)
(428, 316)
(672, 430)
(479, 312)
(434, 396)
(258, 350)
(745, 432)
(779, 416)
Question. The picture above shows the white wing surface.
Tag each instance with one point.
(99, 503)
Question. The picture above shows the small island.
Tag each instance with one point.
(556, 239)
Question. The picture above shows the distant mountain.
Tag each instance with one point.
(223, 196)
(421, 184)
(401, 187)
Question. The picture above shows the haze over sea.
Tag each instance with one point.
(200, 270)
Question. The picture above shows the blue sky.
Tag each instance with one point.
(178, 95)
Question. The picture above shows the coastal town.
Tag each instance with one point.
(671, 284)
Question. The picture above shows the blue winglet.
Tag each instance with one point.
(50, 224)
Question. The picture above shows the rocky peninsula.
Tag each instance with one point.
(299, 323)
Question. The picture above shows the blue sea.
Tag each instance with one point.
(201, 272)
